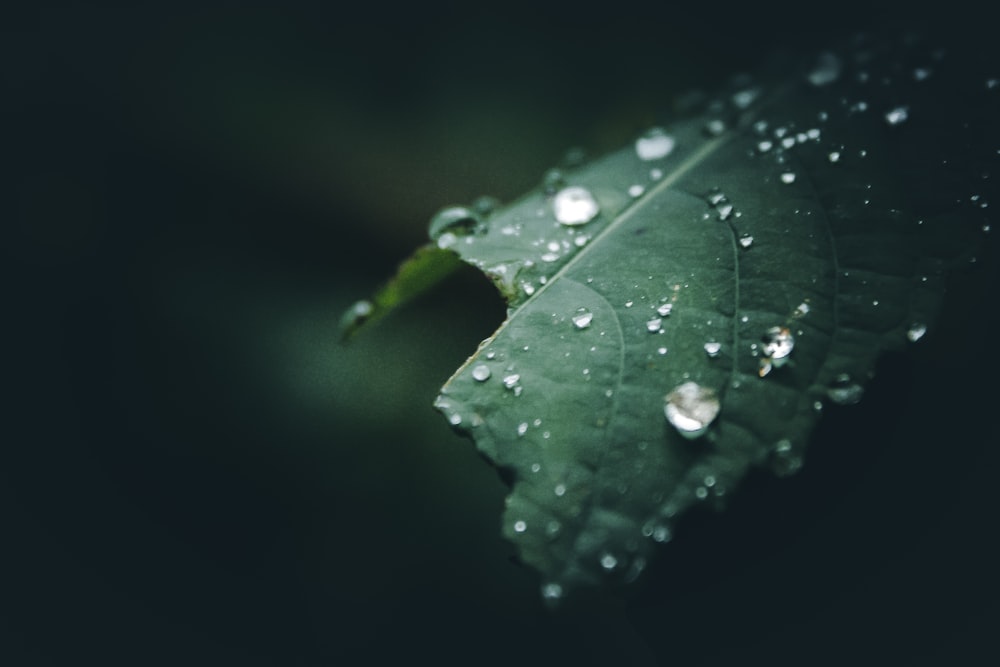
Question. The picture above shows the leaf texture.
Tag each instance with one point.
(819, 207)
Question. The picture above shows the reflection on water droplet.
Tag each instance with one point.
(778, 343)
(712, 349)
(654, 325)
(916, 332)
(654, 144)
(746, 240)
(608, 561)
(826, 71)
(690, 408)
(897, 115)
(845, 391)
(481, 373)
(520, 526)
(575, 206)
(582, 318)
(788, 177)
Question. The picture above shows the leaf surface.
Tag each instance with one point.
(819, 208)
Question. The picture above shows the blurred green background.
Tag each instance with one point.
(195, 471)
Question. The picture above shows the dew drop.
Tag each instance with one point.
(897, 116)
(552, 591)
(510, 381)
(746, 240)
(788, 177)
(834, 156)
(715, 127)
(481, 373)
(764, 146)
(916, 332)
(690, 408)
(826, 71)
(654, 325)
(636, 190)
(725, 211)
(655, 174)
(654, 144)
(712, 349)
(522, 428)
(661, 350)
(664, 309)
(560, 490)
(582, 318)
(844, 391)
(661, 534)
(575, 206)
(608, 561)
(454, 220)
(520, 526)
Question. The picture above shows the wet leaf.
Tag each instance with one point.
(681, 310)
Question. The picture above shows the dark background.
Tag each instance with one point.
(195, 471)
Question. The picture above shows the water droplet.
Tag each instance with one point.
(715, 127)
(481, 373)
(844, 391)
(690, 408)
(520, 526)
(356, 315)
(788, 142)
(746, 240)
(552, 591)
(575, 206)
(522, 428)
(834, 156)
(701, 493)
(661, 350)
(560, 490)
(654, 325)
(510, 381)
(628, 304)
(778, 343)
(802, 309)
(582, 318)
(664, 309)
(712, 349)
(550, 257)
(916, 332)
(535, 467)
(654, 144)
(788, 177)
(897, 115)
(454, 220)
(744, 98)
(608, 561)
(764, 146)
(725, 211)
(826, 71)
(635, 190)
(921, 73)
(661, 533)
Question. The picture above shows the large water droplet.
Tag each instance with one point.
(690, 408)
(582, 318)
(481, 373)
(575, 206)
(778, 343)
(654, 144)
(454, 220)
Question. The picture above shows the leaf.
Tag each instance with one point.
(752, 260)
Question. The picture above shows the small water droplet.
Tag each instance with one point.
(690, 408)
(921, 73)
(778, 343)
(560, 490)
(510, 381)
(454, 220)
(575, 206)
(788, 142)
(788, 177)
(582, 318)
(916, 332)
(654, 144)
(661, 533)
(764, 146)
(550, 257)
(636, 190)
(834, 156)
(715, 127)
(661, 350)
(744, 98)
(664, 309)
(725, 211)
(712, 349)
(628, 304)
(481, 373)
(802, 309)
(746, 240)
(654, 325)
(552, 592)
(535, 467)
(520, 526)
(844, 391)
(826, 71)
(701, 493)
(522, 428)
(897, 115)
(608, 561)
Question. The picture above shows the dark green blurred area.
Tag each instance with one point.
(195, 471)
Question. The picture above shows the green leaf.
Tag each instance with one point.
(681, 310)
